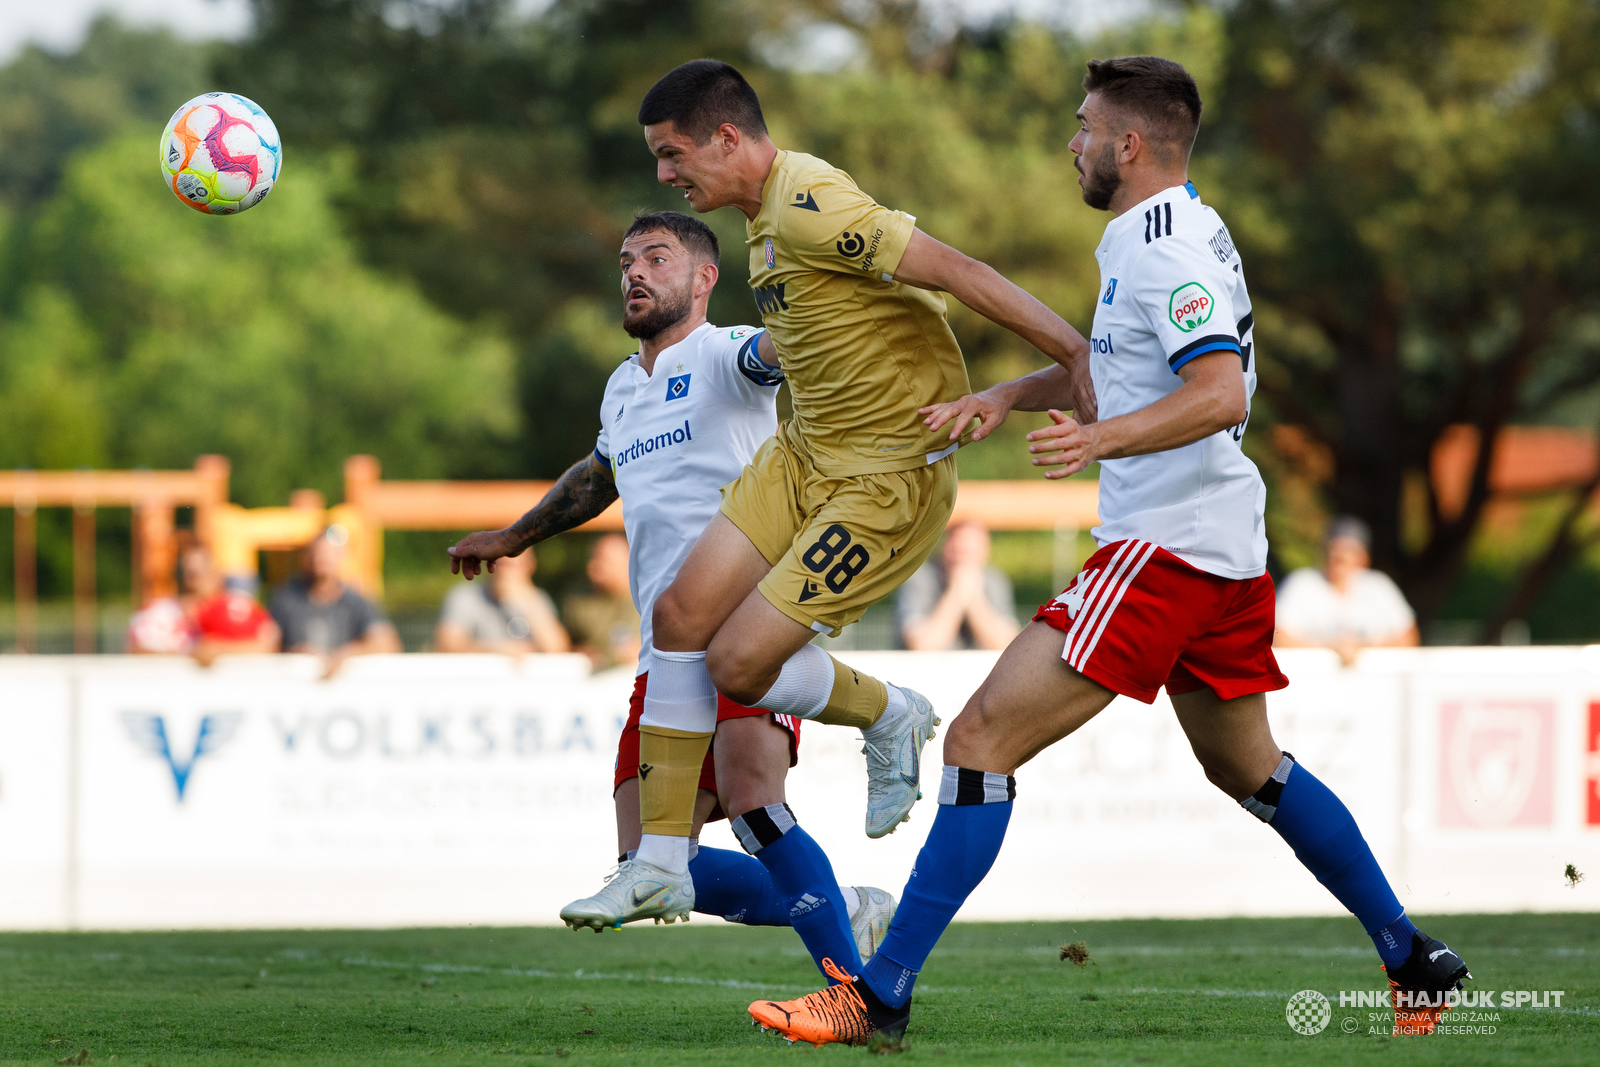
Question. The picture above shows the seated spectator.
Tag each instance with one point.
(318, 613)
(230, 621)
(166, 625)
(957, 599)
(1347, 606)
(505, 613)
(604, 622)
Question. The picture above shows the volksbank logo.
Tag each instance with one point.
(149, 732)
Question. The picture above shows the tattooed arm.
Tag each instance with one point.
(582, 493)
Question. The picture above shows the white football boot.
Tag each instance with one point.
(870, 921)
(894, 765)
(634, 890)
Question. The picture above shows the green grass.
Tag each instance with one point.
(1203, 992)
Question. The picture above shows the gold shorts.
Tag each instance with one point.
(837, 545)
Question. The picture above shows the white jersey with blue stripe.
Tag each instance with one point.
(1172, 288)
(673, 438)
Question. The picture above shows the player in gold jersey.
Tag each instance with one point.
(850, 496)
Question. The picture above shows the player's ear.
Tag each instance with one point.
(728, 136)
(705, 278)
(1132, 145)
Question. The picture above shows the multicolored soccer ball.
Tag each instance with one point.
(220, 153)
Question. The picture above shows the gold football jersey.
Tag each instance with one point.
(861, 352)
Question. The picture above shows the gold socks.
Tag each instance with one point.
(856, 700)
(669, 776)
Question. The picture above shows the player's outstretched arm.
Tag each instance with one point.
(582, 493)
(1211, 398)
(1052, 387)
(931, 264)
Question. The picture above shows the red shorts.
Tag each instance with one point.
(1137, 618)
(628, 743)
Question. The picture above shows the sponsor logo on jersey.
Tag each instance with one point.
(647, 445)
(678, 387)
(769, 298)
(850, 245)
(872, 251)
(805, 200)
(1190, 306)
(809, 590)
(1102, 345)
(1110, 293)
(772, 257)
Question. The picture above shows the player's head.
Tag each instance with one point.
(700, 120)
(669, 267)
(1141, 111)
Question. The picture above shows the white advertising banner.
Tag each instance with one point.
(146, 792)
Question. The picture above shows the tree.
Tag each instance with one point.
(1411, 186)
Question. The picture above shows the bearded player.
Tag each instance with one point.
(679, 419)
(852, 494)
(1177, 594)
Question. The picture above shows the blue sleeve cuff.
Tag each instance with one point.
(602, 458)
(1217, 342)
(753, 367)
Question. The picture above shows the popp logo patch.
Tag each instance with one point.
(1190, 307)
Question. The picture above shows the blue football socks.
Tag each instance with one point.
(804, 881)
(1325, 838)
(736, 887)
(974, 808)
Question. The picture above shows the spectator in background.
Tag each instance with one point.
(230, 621)
(957, 599)
(166, 625)
(319, 613)
(507, 613)
(604, 622)
(1347, 606)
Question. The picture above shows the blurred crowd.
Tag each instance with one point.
(957, 600)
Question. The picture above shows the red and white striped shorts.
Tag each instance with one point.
(1137, 618)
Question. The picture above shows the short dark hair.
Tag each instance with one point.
(1157, 90)
(695, 235)
(700, 96)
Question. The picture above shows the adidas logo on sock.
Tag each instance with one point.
(806, 904)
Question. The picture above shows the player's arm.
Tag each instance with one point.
(1211, 398)
(1052, 387)
(931, 264)
(582, 493)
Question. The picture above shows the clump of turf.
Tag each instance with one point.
(1077, 952)
(1573, 876)
(881, 1044)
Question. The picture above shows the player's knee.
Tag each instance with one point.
(672, 622)
(738, 675)
(1226, 775)
(964, 741)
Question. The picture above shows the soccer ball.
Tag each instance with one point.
(220, 153)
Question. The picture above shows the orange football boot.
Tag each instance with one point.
(1419, 988)
(848, 1013)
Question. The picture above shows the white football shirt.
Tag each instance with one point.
(673, 438)
(1172, 288)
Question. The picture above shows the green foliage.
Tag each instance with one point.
(259, 336)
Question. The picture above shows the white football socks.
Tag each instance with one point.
(694, 850)
(671, 854)
(897, 709)
(678, 694)
(803, 686)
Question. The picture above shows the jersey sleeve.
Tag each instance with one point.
(738, 370)
(834, 226)
(1187, 297)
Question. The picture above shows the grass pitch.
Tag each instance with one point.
(1202, 992)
